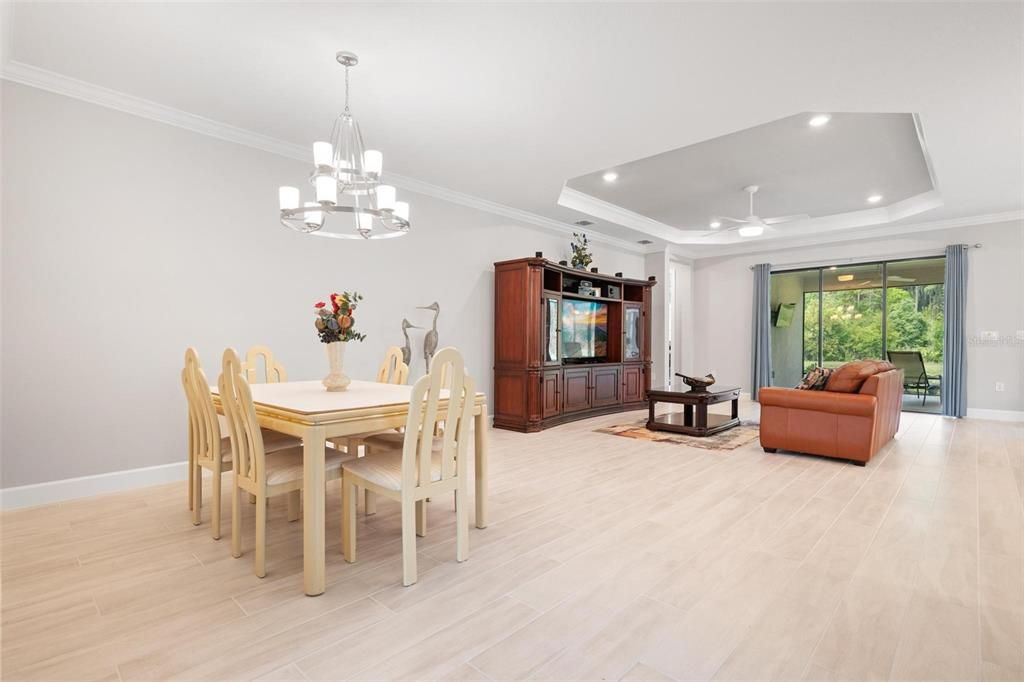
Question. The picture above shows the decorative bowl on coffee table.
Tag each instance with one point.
(697, 384)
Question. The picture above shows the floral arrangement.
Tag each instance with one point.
(338, 323)
(581, 257)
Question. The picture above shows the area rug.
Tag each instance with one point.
(731, 439)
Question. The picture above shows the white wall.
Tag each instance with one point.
(683, 342)
(125, 240)
(995, 303)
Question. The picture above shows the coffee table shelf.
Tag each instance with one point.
(694, 420)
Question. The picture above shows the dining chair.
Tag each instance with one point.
(207, 448)
(392, 370)
(423, 465)
(255, 472)
(259, 357)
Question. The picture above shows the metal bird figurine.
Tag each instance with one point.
(407, 348)
(430, 338)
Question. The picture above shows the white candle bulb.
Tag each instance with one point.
(313, 217)
(385, 197)
(373, 161)
(289, 197)
(326, 189)
(365, 221)
(402, 210)
(323, 154)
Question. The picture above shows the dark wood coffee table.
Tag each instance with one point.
(694, 419)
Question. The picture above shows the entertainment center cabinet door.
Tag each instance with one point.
(606, 385)
(632, 384)
(575, 389)
(551, 393)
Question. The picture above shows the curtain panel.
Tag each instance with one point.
(954, 351)
(761, 341)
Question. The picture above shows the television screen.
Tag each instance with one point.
(584, 330)
(784, 317)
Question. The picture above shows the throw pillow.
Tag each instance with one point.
(815, 380)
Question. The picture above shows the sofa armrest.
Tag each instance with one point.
(853, 404)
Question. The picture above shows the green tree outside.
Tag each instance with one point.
(852, 324)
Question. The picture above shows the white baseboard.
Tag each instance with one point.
(88, 486)
(997, 415)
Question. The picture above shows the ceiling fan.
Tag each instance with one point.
(753, 225)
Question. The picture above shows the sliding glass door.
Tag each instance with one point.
(826, 316)
(852, 314)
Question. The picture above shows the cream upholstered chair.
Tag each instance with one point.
(256, 473)
(207, 448)
(392, 370)
(259, 357)
(422, 466)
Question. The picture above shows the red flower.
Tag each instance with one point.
(319, 304)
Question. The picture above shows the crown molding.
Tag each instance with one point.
(50, 81)
(888, 230)
(586, 203)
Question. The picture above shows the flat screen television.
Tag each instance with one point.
(784, 315)
(584, 331)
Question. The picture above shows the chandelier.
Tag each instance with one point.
(343, 168)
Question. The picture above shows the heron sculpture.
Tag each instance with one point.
(407, 348)
(430, 338)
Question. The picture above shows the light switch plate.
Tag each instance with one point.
(989, 336)
(1000, 387)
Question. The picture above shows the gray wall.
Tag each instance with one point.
(142, 239)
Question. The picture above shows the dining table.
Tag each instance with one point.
(306, 410)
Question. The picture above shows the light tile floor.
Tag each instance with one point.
(606, 558)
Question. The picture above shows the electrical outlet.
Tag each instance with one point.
(1000, 387)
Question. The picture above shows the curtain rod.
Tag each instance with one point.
(855, 261)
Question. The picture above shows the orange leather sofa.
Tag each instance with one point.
(856, 414)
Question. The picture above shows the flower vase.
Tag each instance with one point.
(336, 380)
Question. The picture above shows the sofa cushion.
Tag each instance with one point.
(851, 376)
(815, 380)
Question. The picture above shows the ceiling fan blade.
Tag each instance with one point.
(734, 220)
(720, 230)
(785, 219)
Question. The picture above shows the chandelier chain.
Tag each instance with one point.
(346, 89)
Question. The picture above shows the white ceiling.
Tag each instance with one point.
(508, 101)
(798, 168)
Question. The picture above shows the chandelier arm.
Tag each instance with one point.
(387, 217)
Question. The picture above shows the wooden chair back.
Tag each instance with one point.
(261, 357)
(393, 370)
(202, 413)
(447, 372)
(244, 427)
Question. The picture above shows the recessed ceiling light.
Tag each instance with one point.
(845, 278)
(874, 198)
(715, 224)
(819, 120)
(645, 242)
(833, 267)
(584, 223)
(610, 176)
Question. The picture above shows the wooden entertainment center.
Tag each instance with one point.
(545, 375)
